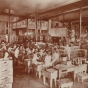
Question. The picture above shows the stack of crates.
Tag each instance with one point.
(6, 73)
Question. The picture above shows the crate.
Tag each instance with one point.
(5, 64)
(68, 63)
(6, 86)
(6, 80)
(6, 72)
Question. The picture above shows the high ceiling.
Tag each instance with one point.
(46, 9)
(22, 7)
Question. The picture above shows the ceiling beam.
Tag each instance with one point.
(64, 3)
(64, 9)
(23, 18)
(10, 14)
(48, 16)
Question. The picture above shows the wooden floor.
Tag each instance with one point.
(24, 80)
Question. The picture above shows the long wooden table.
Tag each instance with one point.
(72, 68)
(64, 69)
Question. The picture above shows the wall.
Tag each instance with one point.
(58, 32)
(53, 31)
(83, 30)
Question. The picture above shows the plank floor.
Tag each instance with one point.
(24, 80)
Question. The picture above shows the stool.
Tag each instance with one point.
(64, 83)
(80, 69)
(51, 74)
(38, 70)
(82, 76)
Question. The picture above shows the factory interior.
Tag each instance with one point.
(43, 43)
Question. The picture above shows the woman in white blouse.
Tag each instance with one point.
(48, 60)
(35, 59)
(55, 56)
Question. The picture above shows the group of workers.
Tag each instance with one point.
(45, 53)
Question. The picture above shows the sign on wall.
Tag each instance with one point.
(58, 32)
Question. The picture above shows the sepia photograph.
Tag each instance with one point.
(43, 43)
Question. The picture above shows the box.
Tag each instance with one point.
(6, 64)
(68, 63)
(6, 80)
(6, 72)
(6, 86)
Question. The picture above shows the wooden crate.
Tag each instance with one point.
(68, 63)
(6, 86)
(6, 80)
(6, 72)
(6, 64)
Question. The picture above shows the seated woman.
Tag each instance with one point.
(16, 54)
(55, 57)
(21, 49)
(7, 54)
(27, 53)
(47, 61)
(41, 52)
(35, 58)
(2, 49)
(21, 52)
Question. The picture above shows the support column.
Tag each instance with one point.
(63, 18)
(49, 26)
(16, 24)
(9, 28)
(80, 22)
(27, 24)
(40, 28)
(36, 30)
